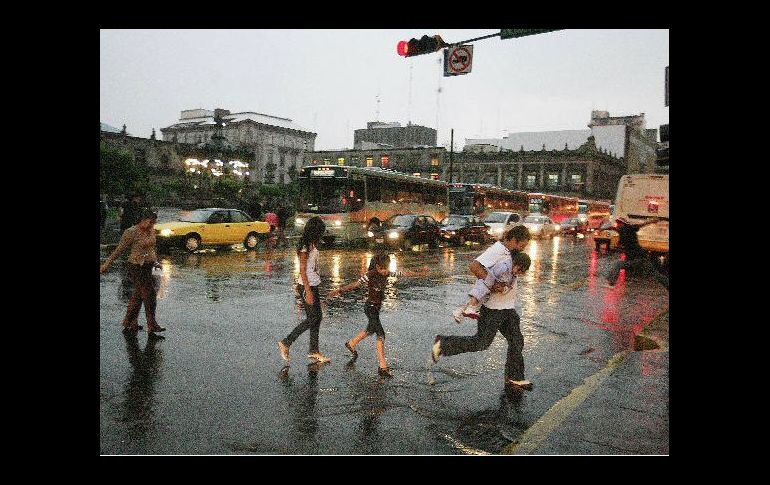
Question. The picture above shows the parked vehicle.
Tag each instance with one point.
(457, 229)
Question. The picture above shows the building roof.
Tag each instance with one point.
(108, 128)
(238, 117)
(610, 138)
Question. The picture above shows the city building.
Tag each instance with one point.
(624, 137)
(427, 162)
(558, 166)
(277, 146)
(394, 135)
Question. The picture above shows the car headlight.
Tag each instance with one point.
(299, 221)
(166, 232)
(393, 235)
(557, 227)
(338, 223)
(370, 234)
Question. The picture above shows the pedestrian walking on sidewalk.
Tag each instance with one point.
(307, 250)
(139, 240)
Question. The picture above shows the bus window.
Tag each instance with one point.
(374, 189)
(356, 195)
(389, 191)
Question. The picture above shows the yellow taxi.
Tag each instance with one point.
(211, 227)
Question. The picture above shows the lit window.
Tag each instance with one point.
(434, 176)
(385, 161)
(416, 174)
(531, 181)
(369, 161)
(553, 180)
(434, 162)
(327, 161)
(576, 179)
(341, 161)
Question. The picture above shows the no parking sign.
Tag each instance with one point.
(458, 60)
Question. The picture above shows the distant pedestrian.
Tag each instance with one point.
(103, 213)
(140, 241)
(497, 314)
(308, 253)
(376, 280)
(131, 210)
(275, 228)
(637, 260)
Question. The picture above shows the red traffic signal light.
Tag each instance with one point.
(425, 45)
(403, 48)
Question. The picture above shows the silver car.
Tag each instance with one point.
(540, 226)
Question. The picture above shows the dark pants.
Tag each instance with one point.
(490, 321)
(312, 322)
(144, 292)
(640, 265)
(373, 314)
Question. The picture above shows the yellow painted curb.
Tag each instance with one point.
(533, 437)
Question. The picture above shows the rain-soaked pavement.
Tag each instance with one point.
(217, 385)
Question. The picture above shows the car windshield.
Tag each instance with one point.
(454, 221)
(496, 217)
(401, 221)
(200, 215)
(534, 220)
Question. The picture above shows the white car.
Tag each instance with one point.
(499, 222)
(540, 226)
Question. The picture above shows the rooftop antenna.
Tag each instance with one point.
(378, 107)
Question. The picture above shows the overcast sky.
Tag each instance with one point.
(328, 81)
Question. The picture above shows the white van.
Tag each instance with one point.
(641, 197)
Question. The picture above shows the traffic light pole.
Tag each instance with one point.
(473, 40)
(451, 153)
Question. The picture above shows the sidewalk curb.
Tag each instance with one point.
(536, 434)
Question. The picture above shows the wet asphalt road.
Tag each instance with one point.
(217, 385)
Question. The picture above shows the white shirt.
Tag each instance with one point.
(313, 276)
(498, 301)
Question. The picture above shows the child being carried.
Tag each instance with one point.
(503, 271)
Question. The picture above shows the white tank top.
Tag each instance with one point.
(313, 276)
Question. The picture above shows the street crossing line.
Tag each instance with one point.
(534, 436)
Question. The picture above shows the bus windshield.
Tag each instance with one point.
(329, 196)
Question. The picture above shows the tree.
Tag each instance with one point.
(119, 173)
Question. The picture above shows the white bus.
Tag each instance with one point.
(348, 199)
(641, 197)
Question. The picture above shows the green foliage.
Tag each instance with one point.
(119, 173)
(227, 186)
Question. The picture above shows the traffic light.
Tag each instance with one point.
(417, 47)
